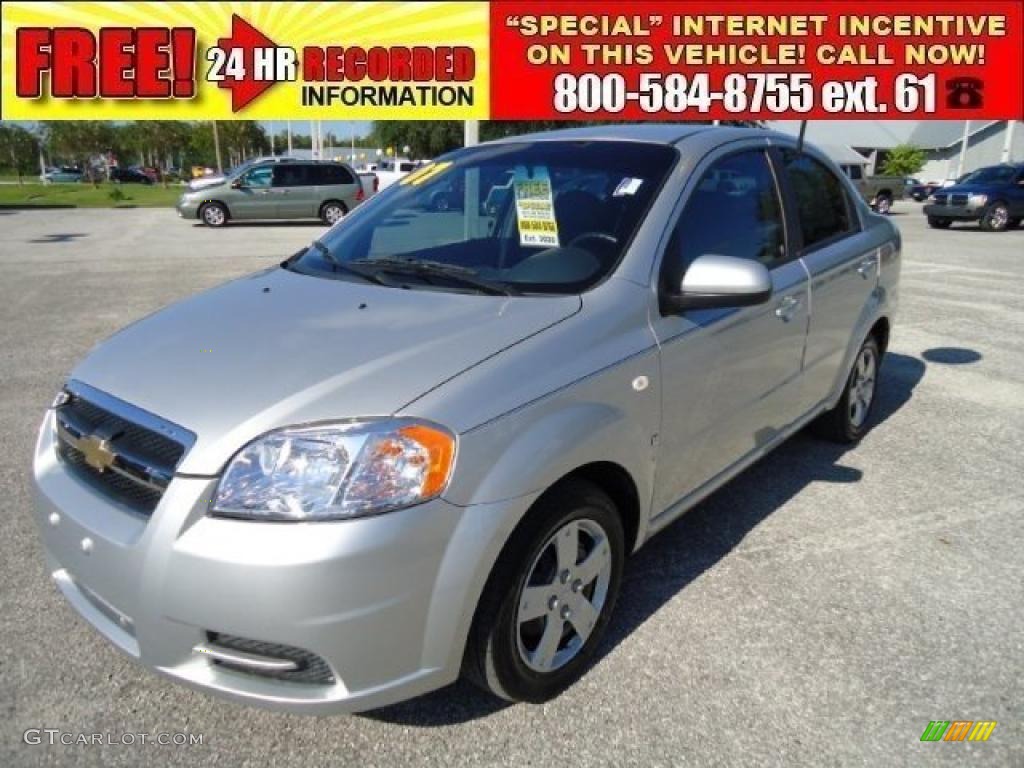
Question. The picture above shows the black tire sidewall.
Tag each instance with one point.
(506, 673)
(937, 222)
(853, 432)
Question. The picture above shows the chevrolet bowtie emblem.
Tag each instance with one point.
(96, 452)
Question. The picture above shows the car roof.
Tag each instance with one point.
(654, 133)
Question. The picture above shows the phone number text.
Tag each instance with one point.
(754, 92)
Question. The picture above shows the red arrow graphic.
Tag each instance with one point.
(246, 38)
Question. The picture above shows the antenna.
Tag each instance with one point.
(800, 138)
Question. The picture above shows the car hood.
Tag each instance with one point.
(965, 189)
(280, 348)
(205, 182)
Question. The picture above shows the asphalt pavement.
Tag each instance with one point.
(821, 609)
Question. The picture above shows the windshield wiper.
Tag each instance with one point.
(428, 269)
(341, 266)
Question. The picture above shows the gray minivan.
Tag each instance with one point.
(425, 445)
(273, 190)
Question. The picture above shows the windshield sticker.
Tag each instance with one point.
(425, 173)
(535, 210)
(627, 186)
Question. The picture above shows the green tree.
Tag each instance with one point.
(19, 150)
(904, 160)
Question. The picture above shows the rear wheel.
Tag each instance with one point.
(332, 212)
(548, 600)
(1013, 223)
(935, 222)
(848, 421)
(214, 215)
(996, 218)
(883, 204)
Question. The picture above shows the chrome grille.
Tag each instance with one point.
(310, 668)
(124, 452)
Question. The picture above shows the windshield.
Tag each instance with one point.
(999, 174)
(540, 217)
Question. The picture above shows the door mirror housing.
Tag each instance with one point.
(715, 282)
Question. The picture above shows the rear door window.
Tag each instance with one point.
(288, 175)
(823, 208)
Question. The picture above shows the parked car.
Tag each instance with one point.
(425, 445)
(277, 190)
(129, 176)
(921, 191)
(64, 174)
(992, 196)
(878, 191)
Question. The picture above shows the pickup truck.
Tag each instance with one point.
(878, 191)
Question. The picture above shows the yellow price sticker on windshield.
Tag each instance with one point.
(425, 173)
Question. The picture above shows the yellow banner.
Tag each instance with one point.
(245, 60)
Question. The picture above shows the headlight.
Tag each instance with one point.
(336, 471)
(977, 200)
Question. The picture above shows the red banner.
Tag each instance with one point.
(762, 60)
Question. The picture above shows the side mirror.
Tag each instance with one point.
(715, 282)
(237, 184)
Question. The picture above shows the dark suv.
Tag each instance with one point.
(993, 196)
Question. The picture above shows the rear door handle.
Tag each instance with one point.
(787, 307)
(867, 267)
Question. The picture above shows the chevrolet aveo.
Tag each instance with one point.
(424, 445)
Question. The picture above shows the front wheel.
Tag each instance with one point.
(996, 218)
(214, 215)
(936, 222)
(848, 421)
(548, 600)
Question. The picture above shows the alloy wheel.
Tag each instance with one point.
(213, 215)
(333, 214)
(564, 593)
(862, 386)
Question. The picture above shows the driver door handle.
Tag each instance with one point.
(787, 307)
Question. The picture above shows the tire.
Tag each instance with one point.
(332, 212)
(938, 223)
(883, 204)
(1013, 224)
(996, 217)
(520, 657)
(848, 421)
(213, 215)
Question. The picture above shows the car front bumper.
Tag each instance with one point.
(953, 211)
(385, 602)
(188, 209)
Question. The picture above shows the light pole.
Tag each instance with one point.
(216, 148)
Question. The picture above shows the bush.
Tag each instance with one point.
(904, 160)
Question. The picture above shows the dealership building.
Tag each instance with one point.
(989, 142)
